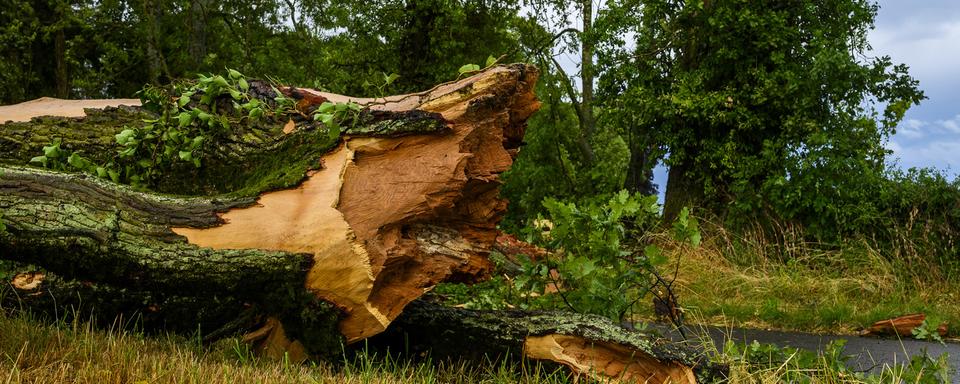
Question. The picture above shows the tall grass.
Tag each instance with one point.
(35, 352)
(779, 279)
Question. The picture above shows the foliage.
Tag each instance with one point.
(332, 114)
(756, 101)
(96, 49)
(598, 266)
(595, 274)
(191, 118)
(551, 165)
(927, 330)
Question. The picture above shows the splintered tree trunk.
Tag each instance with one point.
(399, 204)
(326, 240)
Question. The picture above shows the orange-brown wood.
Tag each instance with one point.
(902, 326)
(606, 362)
(48, 106)
(386, 219)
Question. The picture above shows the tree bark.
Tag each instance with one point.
(682, 191)
(368, 222)
(318, 241)
(588, 345)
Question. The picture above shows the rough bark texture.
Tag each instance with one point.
(402, 201)
(588, 345)
(319, 241)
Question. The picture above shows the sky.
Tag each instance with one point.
(925, 35)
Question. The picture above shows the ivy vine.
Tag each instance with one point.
(190, 117)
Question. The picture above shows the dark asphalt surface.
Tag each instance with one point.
(867, 353)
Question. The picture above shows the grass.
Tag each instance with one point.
(35, 352)
(790, 285)
(32, 351)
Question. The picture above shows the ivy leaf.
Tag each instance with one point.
(40, 159)
(334, 131)
(220, 81)
(389, 79)
(234, 74)
(326, 107)
(186, 155)
(323, 117)
(185, 119)
(114, 175)
(242, 83)
(491, 60)
(468, 68)
(77, 161)
(184, 99)
(52, 151)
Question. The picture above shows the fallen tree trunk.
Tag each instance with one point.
(588, 345)
(382, 218)
(327, 239)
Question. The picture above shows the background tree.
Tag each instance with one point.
(765, 106)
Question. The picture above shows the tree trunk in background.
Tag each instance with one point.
(198, 32)
(585, 107)
(682, 191)
(640, 170)
(155, 60)
(588, 125)
(60, 53)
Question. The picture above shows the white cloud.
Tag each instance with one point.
(951, 125)
(930, 49)
(912, 129)
(942, 153)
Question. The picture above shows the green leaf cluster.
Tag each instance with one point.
(333, 114)
(189, 116)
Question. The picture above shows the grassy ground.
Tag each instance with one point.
(726, 281)
(751, 282)
(36, 352)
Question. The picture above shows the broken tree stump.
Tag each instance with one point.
(374, 220)
(325, 239)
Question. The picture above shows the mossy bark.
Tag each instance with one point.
(455, 333)
(114, 245)
(251, 158)
(85, 227)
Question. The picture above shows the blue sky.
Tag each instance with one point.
(925, 35)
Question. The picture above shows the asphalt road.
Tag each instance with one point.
(867, 353)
